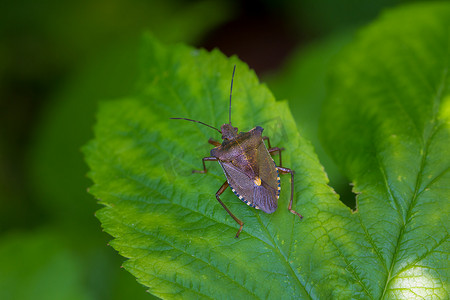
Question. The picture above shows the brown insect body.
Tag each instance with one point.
(248, 165)
(250, 170)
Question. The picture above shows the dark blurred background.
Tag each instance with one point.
(59, 58)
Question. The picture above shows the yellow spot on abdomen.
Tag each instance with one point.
(257, 181)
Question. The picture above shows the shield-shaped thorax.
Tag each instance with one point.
(250, 170)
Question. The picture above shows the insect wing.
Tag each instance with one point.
(266, 195)
(240, 183)
(265, 198)
(262, 195)
(267, 170)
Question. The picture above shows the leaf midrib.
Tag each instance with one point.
(283, 255)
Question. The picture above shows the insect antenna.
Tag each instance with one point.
(231, 90)
(198, 122)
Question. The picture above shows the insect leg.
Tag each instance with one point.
(213, 142)
(210, 158)
(275, 149)
(268, 141)
(219, 192)
(285, 171)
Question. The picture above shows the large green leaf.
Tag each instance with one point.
(387, 123)
(180, 242)
(179, 239)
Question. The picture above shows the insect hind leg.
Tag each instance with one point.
(289, 171)
(219, 192)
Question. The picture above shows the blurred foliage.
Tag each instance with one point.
(43, 264)
(325, 17)
(44, 256)
(57, 60)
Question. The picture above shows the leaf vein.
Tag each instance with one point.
(413, 202)
(372, 242)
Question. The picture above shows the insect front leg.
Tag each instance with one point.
(286, 171)
(210, 158)
(219, 192)
(213, 142)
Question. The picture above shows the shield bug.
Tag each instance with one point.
(249, 168)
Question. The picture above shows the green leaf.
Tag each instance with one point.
(180, 242)
(387, 124)
(166, 220)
